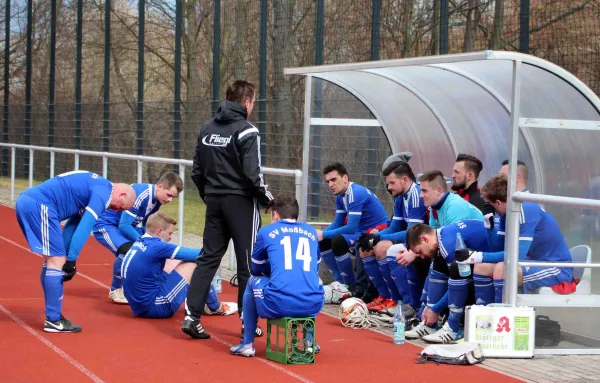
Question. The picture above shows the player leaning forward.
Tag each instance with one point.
(285, 280)
(78, 197)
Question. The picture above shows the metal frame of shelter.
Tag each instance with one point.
(518, 124)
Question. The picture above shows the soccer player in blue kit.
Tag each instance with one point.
(151, 291)
(117, 231)
(79, 197)
(285, 280)
(440, 244)
(540, 239)
(357, 211)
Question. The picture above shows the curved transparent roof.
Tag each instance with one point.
(439, 106)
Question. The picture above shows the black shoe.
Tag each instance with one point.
(258, 332)
(356, 293)
(61, 325)
(194, 329)
(368, 298)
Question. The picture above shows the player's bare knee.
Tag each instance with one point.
(485, 269)
(339, 246)
(56, 262)
(186, 269)
(381, 249)
(499, 270)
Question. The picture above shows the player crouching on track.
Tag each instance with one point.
(285, 280)
(79, 196)
(151, 291)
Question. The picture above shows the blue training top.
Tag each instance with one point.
(142, 270)
(288, 252)
(362, 208)
(409, 209)
(79, 196)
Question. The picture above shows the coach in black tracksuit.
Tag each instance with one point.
(228, 176)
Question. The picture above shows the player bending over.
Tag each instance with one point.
(151, 291)
(79, 196)
(446, 288)
(540, 239)
(117, 231)
(285, 280)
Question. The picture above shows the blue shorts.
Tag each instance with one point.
(170, 297)
(111, 237)
(40, 225)
(536, 277)
(263, 308)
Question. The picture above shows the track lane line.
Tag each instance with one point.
(93, 377)
(267, 362)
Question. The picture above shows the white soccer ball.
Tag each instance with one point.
(353, 312)
(335, 292)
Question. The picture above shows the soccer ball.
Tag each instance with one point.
(353, 312)
(335, 292)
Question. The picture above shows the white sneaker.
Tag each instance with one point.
(117, 296)
(419, 331)
(226, 308)
(443, 335)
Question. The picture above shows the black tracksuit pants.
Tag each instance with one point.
(227, 217)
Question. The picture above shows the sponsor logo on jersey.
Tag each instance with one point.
(216, 140)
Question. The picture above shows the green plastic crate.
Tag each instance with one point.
(291, 340)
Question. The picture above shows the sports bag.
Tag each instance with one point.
(462, 353)
(547, 331)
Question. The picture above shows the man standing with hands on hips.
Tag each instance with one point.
(228, 176)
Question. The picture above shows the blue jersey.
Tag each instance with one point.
(288, 252)
(409, 209)
(73, 193)
(357, 211)
(540, 238)
(473, 233)
(142, 269)
(145, 204)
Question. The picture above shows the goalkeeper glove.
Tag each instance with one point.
(488, 216)
(367, 242)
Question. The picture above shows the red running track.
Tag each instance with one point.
(114, 346)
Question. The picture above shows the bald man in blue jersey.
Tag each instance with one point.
(79, 197)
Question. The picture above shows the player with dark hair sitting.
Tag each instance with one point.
(405, 283)
(465, 174)
(117, 231)
(357, 211)
(285, 280)
(151, 291)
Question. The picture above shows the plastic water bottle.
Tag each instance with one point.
(399, 324)
(217, 282)
(463, 269)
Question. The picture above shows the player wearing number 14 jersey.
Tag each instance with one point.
(285, 280)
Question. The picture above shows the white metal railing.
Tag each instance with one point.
(297, 174)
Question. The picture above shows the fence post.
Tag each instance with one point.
(140, 103)
(6, 87)
(373, 142)
(13, 158)
(444, 27)
(216, 80)
(181, 206)
(315, 195)
(28, 64)
(51, 75)
(52, 163)
(140, 171)
(106, 119)
(262, 80)
(524, 27)
(177, 85)
(78, 63)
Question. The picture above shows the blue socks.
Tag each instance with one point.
(438, 286)
(458, 291)
(212, 301)
(331, 263)
(499, 287)
(53, 293)
(249, 314)
(484, 290)
(344, 265)
(116, 281)
(384, 270)
(372, 269)
(400, 279)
